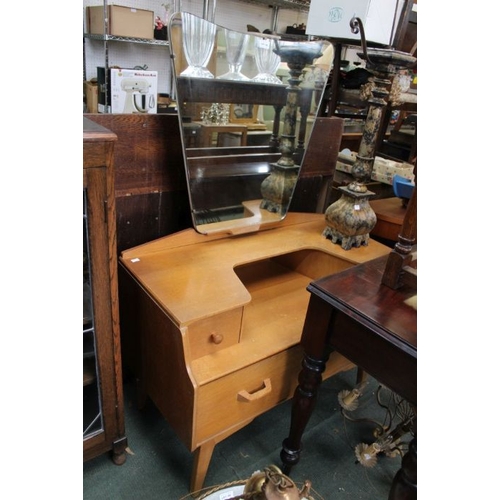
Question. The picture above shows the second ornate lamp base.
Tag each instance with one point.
(277, 188)
(351, 218)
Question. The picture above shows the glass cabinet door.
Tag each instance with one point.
(103, 412)
(92, 413)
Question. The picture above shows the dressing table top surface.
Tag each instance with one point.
(192, 276)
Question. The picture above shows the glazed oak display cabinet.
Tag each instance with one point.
(103, 413)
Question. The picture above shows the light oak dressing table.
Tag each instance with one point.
(220, 320)
(216, 314)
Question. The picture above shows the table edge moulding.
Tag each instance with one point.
(217, 320)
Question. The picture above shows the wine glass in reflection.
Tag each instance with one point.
(198, 38)
(236, 47)
(267, 61)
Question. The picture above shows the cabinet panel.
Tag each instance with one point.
(103, 420)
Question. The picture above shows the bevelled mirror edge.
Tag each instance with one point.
(245, 124)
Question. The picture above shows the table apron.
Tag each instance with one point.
(387, 362)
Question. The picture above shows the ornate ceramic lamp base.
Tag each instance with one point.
(277, 188)
(350, 219)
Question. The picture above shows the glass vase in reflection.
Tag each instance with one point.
(267, 61)
(198, 38)
(236, 48)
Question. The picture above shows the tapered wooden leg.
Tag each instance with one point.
(202, 457)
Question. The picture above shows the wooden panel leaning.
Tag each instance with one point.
(401, 267)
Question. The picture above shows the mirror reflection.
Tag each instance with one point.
(247, 104)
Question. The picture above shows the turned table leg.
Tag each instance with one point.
(304, 401)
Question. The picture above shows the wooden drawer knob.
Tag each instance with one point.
(216, 338)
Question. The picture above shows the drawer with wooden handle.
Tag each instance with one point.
(217, 332)
(244, 394)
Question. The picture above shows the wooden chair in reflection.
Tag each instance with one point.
(368, 314)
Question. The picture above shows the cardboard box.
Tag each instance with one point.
(383, 171)
(122, 21)
(90, 90)
(133, 91)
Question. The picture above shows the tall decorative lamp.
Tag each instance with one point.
(350, 219)
(277, 188)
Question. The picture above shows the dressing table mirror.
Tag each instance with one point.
(246, 104)
(215, 312)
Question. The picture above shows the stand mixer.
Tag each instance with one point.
(135, 88)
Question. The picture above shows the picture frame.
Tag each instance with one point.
(243, 113)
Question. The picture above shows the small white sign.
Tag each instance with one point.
(331, 18)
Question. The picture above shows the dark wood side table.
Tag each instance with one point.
(370, 324)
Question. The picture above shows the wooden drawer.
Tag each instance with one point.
(217, 332)
(246, 393)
